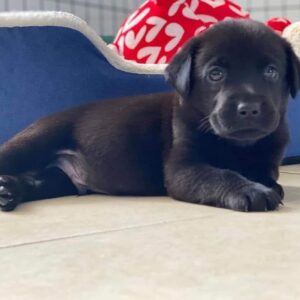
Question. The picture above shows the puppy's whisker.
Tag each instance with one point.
(204, 128)
(204, 125)
(204, 120)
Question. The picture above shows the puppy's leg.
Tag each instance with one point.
(30, 152)
(266, 174)
(200, 183)
(48, 183)
(34, 147)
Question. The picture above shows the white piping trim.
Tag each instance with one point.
(292, 34)
(63, 19)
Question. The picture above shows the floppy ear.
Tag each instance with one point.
(179, 70)
(293, 71)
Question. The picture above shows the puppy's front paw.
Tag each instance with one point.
(279, 189)
(253, 197)
(10, 192)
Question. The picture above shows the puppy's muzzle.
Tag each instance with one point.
(244, 116)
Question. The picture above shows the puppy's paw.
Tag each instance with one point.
(10, 192)
(279, 189)
(253, 197)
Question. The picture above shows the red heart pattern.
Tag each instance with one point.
(156, 31)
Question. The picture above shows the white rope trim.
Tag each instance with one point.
(292, 34)
(63, 19)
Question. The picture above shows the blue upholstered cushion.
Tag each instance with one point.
(47, 69)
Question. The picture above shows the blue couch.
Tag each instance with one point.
(52, 61)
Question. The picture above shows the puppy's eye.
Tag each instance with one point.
(216, 74)
(271, 72)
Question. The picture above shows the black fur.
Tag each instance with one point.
(217, 141)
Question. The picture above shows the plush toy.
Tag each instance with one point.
(278, 24)
(158, 28)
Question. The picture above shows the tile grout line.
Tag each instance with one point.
(290, 172)
(95, 233)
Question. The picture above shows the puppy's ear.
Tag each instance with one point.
(293, 71)
(179, 70)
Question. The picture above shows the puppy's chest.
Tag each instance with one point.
(226, 156)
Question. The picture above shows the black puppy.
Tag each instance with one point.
(218, 141)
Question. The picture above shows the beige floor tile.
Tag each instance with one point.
(150, 248)
(72, 216)
(221, 256)
(75, 216)
(290, 169)
(290, 179)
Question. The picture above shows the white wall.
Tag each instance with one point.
(276, 8)
(99, 13)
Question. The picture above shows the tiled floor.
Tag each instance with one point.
(150, 248)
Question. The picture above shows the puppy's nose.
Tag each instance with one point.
(248, 110)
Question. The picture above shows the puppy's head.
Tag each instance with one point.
(238, 74)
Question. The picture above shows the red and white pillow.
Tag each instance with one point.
(156, 31)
